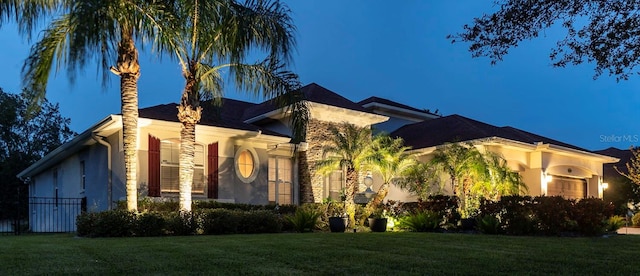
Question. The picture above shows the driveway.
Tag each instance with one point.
(629, 231)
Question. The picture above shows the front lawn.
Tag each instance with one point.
(320, 253)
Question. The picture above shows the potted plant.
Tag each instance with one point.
(338, 224)
(378, 221)
(335, 213)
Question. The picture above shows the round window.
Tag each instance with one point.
(245, 163)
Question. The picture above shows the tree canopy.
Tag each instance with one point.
(23, 141)
(602, 32)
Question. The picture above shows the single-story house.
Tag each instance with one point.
(244, 153)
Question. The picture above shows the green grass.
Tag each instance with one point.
(320, 254)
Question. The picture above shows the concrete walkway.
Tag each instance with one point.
(629, 231)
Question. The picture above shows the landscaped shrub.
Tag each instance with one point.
(615, 222)
(180, 223)
(517, 215)
(85, 222)
(553, 215)
(259, 221)
(304, 219)
(635, 220)
(591, 214)
(114, 223)
(489, 224)
(425, 221)
(149, 225)
(447, 206)
(220, 221)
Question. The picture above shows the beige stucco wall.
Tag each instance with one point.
(533, 164)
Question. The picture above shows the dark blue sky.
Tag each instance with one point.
(363, 48)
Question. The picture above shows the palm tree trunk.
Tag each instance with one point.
(377, 200)
(128, 69)
(350, 192)
(189, 112)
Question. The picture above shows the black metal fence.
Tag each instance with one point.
(45, 215)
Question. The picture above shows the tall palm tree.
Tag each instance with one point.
(388, 157)
(101, 31)
(27, 13)
(212, 36)
(347, 148)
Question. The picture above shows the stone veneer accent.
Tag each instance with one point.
(312, 185)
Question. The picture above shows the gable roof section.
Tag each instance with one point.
(379, 100)
(227, 115)
(456, 128)
(312, 93)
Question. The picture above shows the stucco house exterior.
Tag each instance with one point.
(244, 154)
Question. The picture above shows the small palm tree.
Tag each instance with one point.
(498, 180)
(389, 158)
(103, 31)
(463, 164)
(346, 148)
(208, 37)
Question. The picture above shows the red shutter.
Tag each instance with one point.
(154, 166)
(212, 178)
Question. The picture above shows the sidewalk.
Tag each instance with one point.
(629, 230)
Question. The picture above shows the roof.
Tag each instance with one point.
(69, 148)
(312, 93)
(456, 128)
(392, 103)
(227, 115)
(624, 156)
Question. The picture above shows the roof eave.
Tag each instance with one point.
(66, 149)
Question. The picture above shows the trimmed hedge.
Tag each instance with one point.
(551, 216)
(119, 223)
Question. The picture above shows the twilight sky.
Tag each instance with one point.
(360, 48)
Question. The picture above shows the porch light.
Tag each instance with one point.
(548, 178)
(605, 185)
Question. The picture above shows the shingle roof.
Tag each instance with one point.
(391, 103)
(456, 128)
(624, 155)
(228, 115)
(312, 93)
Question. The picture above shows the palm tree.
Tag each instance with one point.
(212, 36)
(390, 159)
(347, 148)
(101, 31)
(464, 165)
(498, 180)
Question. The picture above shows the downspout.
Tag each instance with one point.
(101, 141)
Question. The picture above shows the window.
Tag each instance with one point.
(280, 174)
(82, 176)
(170, 168)
(55, 186)
(334, 185)
(245, 163)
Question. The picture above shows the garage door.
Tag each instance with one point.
(570, 188)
